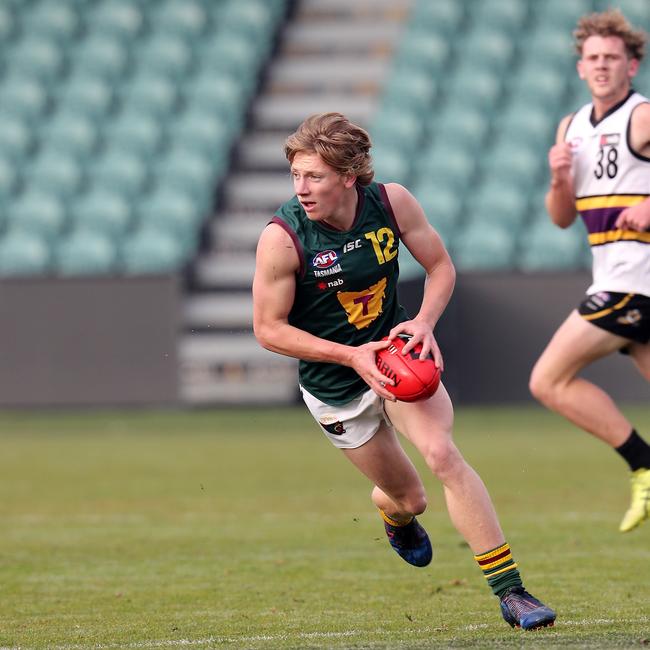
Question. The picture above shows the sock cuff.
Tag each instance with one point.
(496, 553)
(394, 522)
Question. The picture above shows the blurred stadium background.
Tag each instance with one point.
(141, 155)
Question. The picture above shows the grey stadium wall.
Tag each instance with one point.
(89, 341)
(107, 342)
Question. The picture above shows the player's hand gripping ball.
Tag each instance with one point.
(414, 379)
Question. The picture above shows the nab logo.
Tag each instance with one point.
(325, 259)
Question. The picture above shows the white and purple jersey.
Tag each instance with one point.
(608, 177)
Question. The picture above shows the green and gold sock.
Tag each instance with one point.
(499, 569)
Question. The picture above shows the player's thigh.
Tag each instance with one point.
(575, 344)
(427, 423)
(640, 353)
(385, 463)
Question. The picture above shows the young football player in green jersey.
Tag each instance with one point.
(325, 292)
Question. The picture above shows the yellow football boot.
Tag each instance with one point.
(640, 504)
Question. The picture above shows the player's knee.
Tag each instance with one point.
(541, 388)
(442, 458)
(416, 503)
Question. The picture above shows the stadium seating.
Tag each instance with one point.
(489, 82)
(543, 246)
(83, 252)
(23, 253)
(117, 118)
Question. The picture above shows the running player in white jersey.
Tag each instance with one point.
(600, 169)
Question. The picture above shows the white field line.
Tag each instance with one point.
(227, 640)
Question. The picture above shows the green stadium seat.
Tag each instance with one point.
(163, 54)
(410, 90)
(506, 16)
(545, 247)
(23, 254)
(513, 161)
(16, 137)
(498, 202)
(187, 18)
(175, 212)
(150, 92)
(636, 11)
(24, 96)
(53, 19)
(150, 251)
(442, 205)
(278, 9)
(483, 90)
(119, 170)
(135, 131)
(442, 17)
(540, 84)
(120, 18)
(391, 164)
(252, 19)
(56, 172)
(561, 14)
(103, 211)
(87, 94)
(217, 92)
(487, 48)
(482, 246)
(548, 47)
(8, 26)
(188, 169)
(526, 121)
(202, 130)
(424, 51)
(101, 55)
(398, 128)
(36, 56)
(71, 133)
(234, 55)
(9, 181)
(459, 125)
(447, 167)
(38, 212)
(84, 253)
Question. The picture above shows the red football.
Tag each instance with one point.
(414, 379)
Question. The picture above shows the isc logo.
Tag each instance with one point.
(324, 259)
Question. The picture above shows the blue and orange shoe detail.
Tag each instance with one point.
(410, 541)
(520, 609)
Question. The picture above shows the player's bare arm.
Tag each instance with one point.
(560, 198)
(427, 248)
(637, 217)
(274, 287)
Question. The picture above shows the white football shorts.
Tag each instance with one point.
(351, 425)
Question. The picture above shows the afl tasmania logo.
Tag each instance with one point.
(324, 259)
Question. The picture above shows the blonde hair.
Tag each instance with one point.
(342, 145)
(611, 23)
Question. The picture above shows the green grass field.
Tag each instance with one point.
(246, 529)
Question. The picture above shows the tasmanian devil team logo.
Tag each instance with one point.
(325, 259)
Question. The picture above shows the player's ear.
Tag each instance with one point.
(633, 68)
(579, 67)
(349, 180)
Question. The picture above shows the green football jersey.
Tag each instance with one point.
(346, 288)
